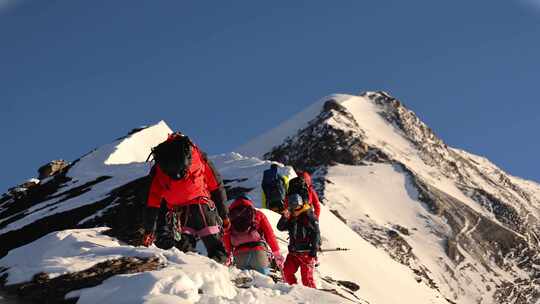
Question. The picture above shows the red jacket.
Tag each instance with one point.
(313, 197)
(262, 225)
(196, 187)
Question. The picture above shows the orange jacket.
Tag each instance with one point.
(196, 187)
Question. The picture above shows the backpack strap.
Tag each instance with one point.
(149, 155)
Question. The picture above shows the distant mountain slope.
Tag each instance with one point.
(468, 228)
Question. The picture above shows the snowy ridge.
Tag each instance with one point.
(262, 144)
(105, 168)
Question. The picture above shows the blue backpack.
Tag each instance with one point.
(274, 189)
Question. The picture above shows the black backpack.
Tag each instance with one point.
(174, 156)
(298, 185)
(242, 218)
(274, 188)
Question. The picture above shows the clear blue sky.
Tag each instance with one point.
(77, 74)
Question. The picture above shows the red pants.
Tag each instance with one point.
(306, 264)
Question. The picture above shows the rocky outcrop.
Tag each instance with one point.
(52, 168)
(477, 178)
(21, 190)
(332, 137)
(45, 290)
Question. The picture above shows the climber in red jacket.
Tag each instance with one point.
(249, 236)
(189, 190)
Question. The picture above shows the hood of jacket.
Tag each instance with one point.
(241, 201)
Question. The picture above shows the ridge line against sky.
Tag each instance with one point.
(76, 75)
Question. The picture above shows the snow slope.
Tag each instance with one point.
(185, 274)
(382, 196)
(364, 264)
(185, 278)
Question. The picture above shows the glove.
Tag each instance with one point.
(286, 213)
(150, 216)
(280, 261)
(148, 239)
(313, 253)
(226, 224)
(229, 260)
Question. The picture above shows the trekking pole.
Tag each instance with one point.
(334, 249)
(281, 239)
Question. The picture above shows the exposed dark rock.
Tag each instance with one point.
(393, 234)
(321, 143)
(23, 189)
(52, 168)
(124, 213)
(402, 229)
(121, 210)
(235, 191)
(460, 167)
(398, 248)
(468, 226)
(504, 213)
(453, 252)
(348, 286)
(484, 239)
(519, 292)
(55, 222)
(35, 195)
(44, 290)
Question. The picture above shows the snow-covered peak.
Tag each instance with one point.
(136, 147)
(264, 143)
(95, 175)
(132, 149)
(372, 111)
